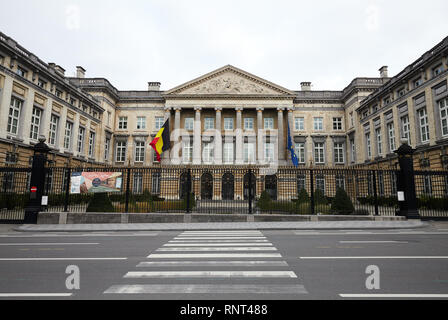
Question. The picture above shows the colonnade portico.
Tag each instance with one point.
(238, 136)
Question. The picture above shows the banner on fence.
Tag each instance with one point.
(92, 182)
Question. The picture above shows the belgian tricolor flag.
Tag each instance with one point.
(162, 140)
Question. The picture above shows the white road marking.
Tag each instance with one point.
(219, 249)
(204, 288)
(48, 244)
(195, 244)
(367, 233)
(57, 259)
(219, 241)
(216, 238)
(393, 295)
(213, 263)
(212, 255)
(210, 274)
(380, 257)
(373, 241)
(39, 295)
(68, 235)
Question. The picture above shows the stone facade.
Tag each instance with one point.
(226, 117)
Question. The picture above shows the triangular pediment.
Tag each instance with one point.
(229, 81)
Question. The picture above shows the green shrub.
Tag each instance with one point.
(264, 202)
(319, 197)
(303, 208)
(342, 204)
(303, 196)
(192, 202)
(100, 203)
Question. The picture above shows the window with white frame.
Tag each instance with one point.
(207, 152)
(368, 146)
(405, 128)
(209, 123)
(53, 131)
(139, 151)
(340, 181)
(337, 123)
(189, 123)
(106, 149)
(301, 182)
(427, 185)
(319, 152)
(14, 115)
(35, 123)
(417, 82)
(159, 123)
(391, 135)
(269, 151)
(443, 107)
(120, 151)
(353, 150)
(318, 123)
(122, 123)
(269, 123)
(68, 135)
(187, 152)
(379, 141)
(141, 123)
(338, 152)
(81, 133)
(137, 185)
(299, 123)
(320, 183)
(424, 126)
(155, 183)
(91, 144)
(249, 152)
(300, 151)
(248, 123)
(41, 83)
(228, 156)
(58, 93)
(228, 123)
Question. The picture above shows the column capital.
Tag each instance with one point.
(290, 109)
(280, 109)
(218, 109)
(239, 109)
(177, 109)
(167, 109)
(197, 109)
(259, 109)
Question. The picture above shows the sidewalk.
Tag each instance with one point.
(312, 225)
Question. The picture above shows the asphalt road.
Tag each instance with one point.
(226, 265)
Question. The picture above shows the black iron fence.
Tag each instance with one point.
(235, 190)
(231, 190)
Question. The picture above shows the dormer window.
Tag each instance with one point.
(21, 72)
(401, 92)
(437, 70)
(386, 100)
(58, 93)
(417, 82)
(41, 83)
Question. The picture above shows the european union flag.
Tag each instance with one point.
(294, 159)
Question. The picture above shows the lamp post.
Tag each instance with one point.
(37, 182)
(406, 182)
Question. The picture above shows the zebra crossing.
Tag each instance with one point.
(197, 262)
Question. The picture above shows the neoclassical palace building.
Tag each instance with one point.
(225, 117)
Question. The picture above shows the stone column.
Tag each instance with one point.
(260, 135)
(281, 140)
(291, 123)
(239, 136)
(218, 137)
(5, 101)
(166, 155)
(197, 136)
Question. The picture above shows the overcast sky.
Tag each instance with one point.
(286, 42)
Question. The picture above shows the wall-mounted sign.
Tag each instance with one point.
(92, 182)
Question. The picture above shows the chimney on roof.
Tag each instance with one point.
(383, 72)
(59, 70)
(154, 86)
(80, 72)
(306, 86)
